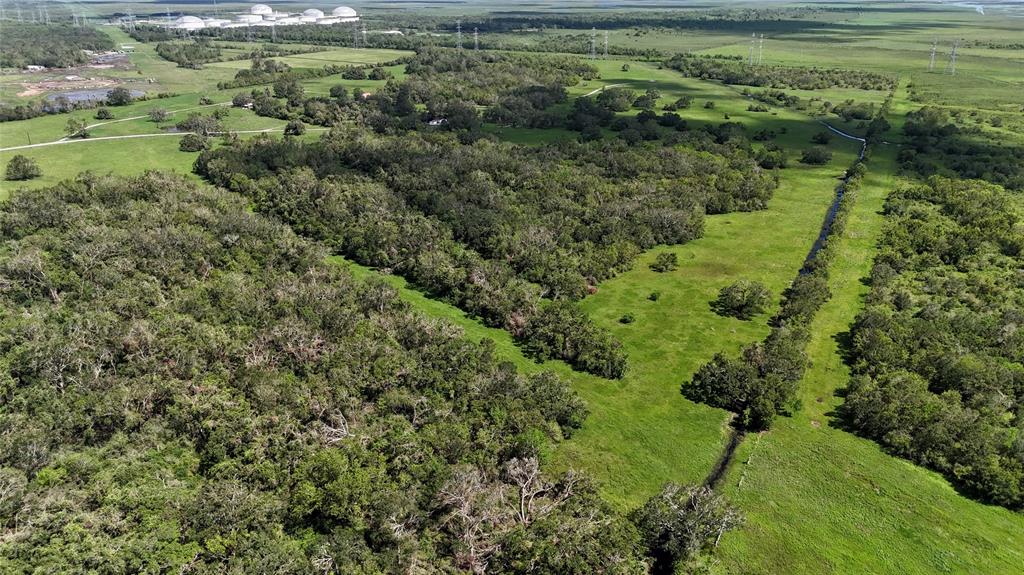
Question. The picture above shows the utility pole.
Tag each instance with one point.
(458, 34)
(476, 38)
(931, 60)
(952, 58)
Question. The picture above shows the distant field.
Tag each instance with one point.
(339, 56)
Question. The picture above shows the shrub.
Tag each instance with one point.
(742, 299)
(625, 68)
(339, 92)
(354, 73)
(627, 318)
(241, 100)
(205, 101)
(379, 74)
(158, 115)
(655, 296)
(194, 143)
(822, 138)
(295, 128)
(816, 156)
(22, 168)
(709, 105)
(683, 521)
(665, 262)
(104, 114)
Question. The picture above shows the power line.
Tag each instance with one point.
(951, 68)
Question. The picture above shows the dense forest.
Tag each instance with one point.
(190, 54)
(493, 227)
(53, 46)
(189, 386)
(481, 77)
(735, 71)
(936, 145)
(938, 351)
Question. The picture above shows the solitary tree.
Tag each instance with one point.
(75, 128)
(22, 168)
(104, 114)
(742, 299)
(119, 97)
(158, 115)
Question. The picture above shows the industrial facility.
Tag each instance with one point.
(263, 15)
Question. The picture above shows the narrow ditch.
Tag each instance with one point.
(736, 434)
(725, 460)
(830, 215)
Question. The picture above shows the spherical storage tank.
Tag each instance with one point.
(189, 23)
(260, 9)
(344, 12)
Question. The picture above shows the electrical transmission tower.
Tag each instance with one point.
(951, 68)
(355, 35)
(593, 43)
(273, 33)
(458, 34)
(750, 52)
(605, 44)
(760, 49)
(931, 59)
(476, 38)
(365, 43)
